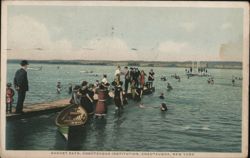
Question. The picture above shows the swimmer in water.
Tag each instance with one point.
(233, 81)
(161, 96)
(164, 107)
(58, 87)
(169, 87)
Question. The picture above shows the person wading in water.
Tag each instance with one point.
(118, 96)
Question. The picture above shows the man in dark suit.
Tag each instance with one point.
(21, 85)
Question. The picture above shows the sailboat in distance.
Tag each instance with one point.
(198, 69)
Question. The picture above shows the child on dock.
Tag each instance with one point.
(9, 98)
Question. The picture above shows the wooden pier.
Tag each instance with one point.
(39, 109)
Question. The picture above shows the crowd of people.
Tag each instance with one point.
(134, 84)
(210, 80)
(134, 80)
(127, 83)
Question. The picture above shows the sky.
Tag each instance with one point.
(124, 33)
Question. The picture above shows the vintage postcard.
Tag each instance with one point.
(124, 79)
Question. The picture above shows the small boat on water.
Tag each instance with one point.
(74, 115)
(146, 91)
(35, 68)
(198, 69)
(83, 71)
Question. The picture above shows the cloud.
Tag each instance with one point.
(30, 39)
(181, 51)
(172, 47)
(188, 26)
(25, 33)
(107, 48)
(226, 26)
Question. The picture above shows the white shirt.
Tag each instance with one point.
(104, 80)
(117, 72)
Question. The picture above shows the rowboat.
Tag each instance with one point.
(72, 116)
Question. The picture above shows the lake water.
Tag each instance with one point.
(201, 117)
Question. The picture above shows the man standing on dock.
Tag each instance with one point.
(21, 85)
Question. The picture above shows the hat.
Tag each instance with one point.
(120, 83)
(84, 83)
(8, 84)
(77, 87)
(24, 62)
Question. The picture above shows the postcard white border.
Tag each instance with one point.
(59, 154)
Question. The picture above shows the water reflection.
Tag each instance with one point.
(15, 133)
(118, 131)
(60, 143)
(76, 137)
(100, 129)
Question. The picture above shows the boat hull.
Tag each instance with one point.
(147, 91)
(72, 116)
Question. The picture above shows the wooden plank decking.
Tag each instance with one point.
(39, 109)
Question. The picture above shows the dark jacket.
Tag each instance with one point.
(21, 80)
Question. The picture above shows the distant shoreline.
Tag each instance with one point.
(178, 64)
